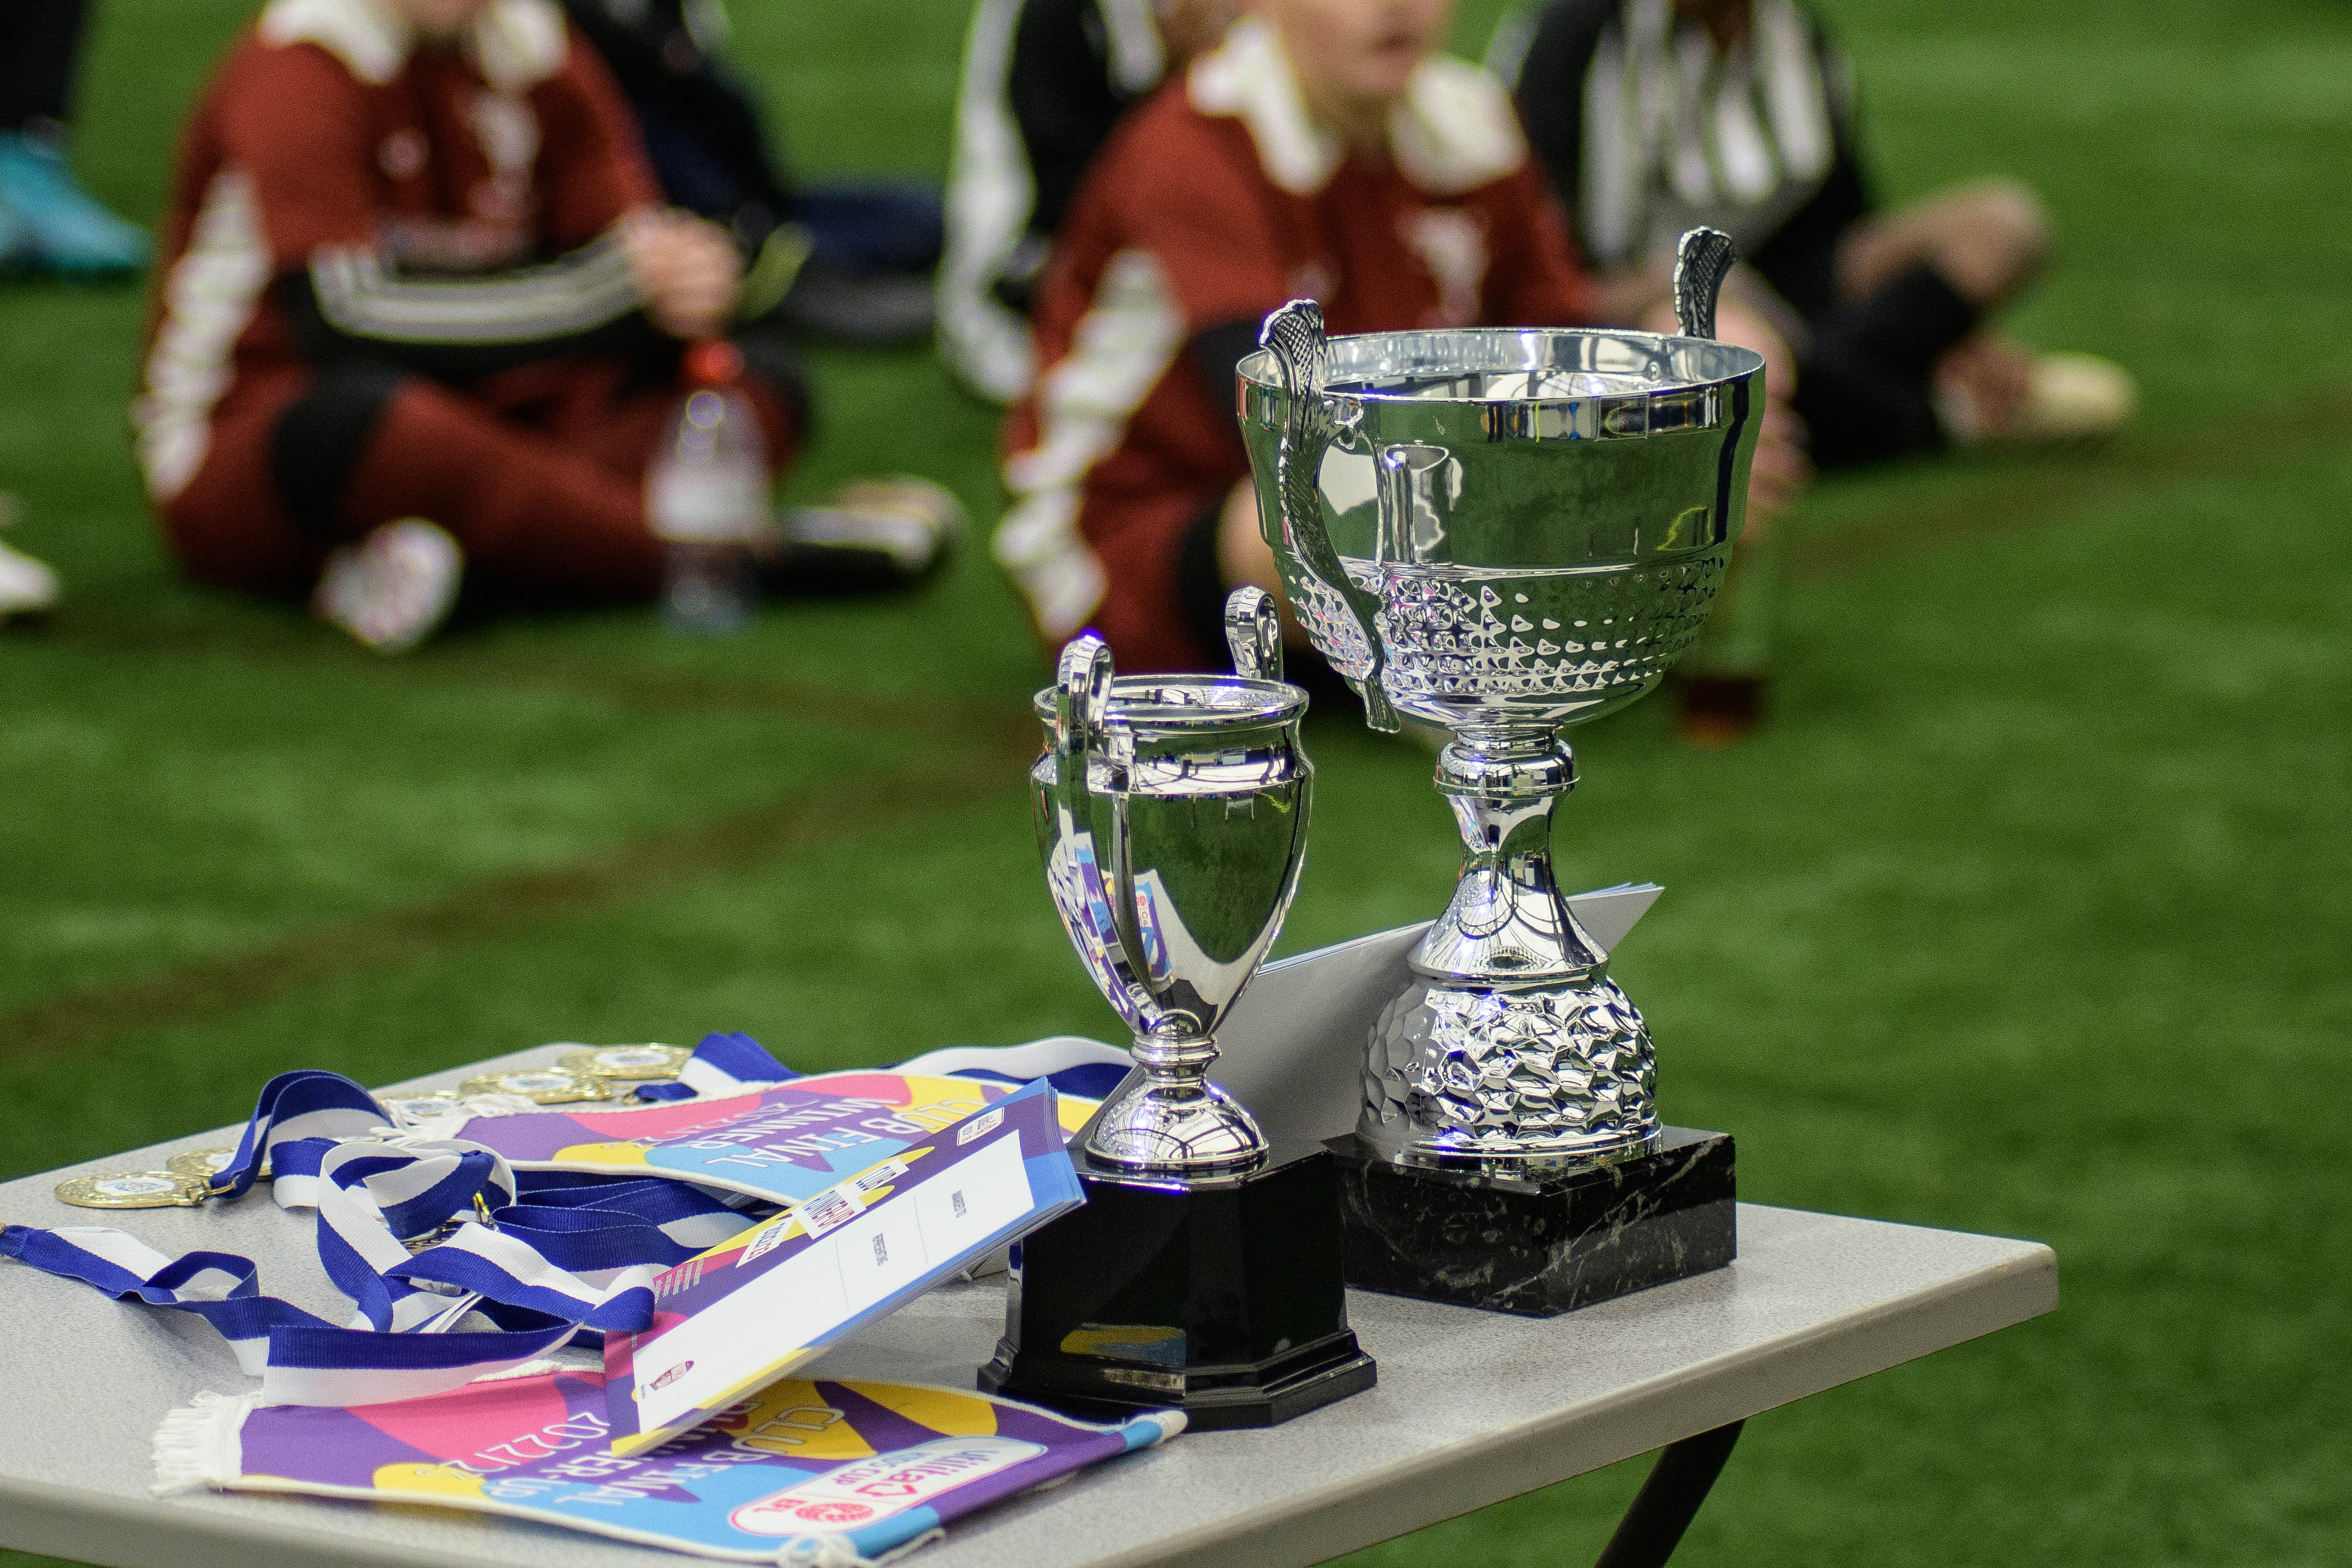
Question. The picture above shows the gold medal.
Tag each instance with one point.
(541, 1085)
(409, 1110)
(629, 1064)
(202, 1164)
(134, 1190)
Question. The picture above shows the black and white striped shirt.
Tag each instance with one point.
(1646, 128)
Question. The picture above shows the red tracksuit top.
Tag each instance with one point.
(1214, 202)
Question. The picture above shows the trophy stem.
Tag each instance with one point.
(1175, 1121)
(1508, 922)
(1513, 1051)
(1175, 1060)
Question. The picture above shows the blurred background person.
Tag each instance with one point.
(1323, 148)
(421, 319)
(1652, 115)
(851, 263)
(47, 222)
(1044, 82)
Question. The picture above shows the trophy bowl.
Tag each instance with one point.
(1505, 532)
(1538, 520)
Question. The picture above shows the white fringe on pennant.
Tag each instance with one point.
(543, 1365)
(197, 1445)
(834, 1550)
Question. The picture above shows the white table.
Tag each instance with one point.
(1472, 1408)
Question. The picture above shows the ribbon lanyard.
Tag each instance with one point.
(456, 1265)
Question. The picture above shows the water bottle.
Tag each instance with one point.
(706, 497)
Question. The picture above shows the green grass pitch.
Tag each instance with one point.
(2026, 912)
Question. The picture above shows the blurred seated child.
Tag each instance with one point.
(1652, 115)
(1044, 82)
(421, 313)
(1326, 149)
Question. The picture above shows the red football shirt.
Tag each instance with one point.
(1214, 202)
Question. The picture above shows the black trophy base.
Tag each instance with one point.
(1222, 1298)
(1544, 1245)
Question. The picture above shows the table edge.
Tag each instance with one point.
(138, 1533)
(1358, 1512)
(83, 1526)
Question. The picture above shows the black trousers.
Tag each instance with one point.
(40, 40)
(1865, 385)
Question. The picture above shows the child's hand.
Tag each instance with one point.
(687, 269)
(1781, 469)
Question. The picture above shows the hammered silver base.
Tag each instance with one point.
(1503, 1079)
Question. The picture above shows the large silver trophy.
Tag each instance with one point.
(1171, 812)
(1505, 532)
(1205, 1270)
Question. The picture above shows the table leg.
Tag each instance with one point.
(1653, 1527)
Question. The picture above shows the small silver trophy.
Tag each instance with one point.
(1171, 812)
(1205, 1270)
(1505, 532)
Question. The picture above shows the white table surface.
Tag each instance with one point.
(1472, 1408)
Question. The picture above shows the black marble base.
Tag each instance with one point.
(1222, 1298)
(1538, 1245)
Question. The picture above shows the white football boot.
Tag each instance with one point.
(393, 589)
(27, 588)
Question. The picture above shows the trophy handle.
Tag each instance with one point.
(1081, 708)
(1254, 632)
(1081, 699)
(1702, 261)
(1295, 335)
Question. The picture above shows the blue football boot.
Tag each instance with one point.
(71, 233)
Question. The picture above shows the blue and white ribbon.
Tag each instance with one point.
(297, 1119)
(722, 1064)
(1073, 1065)
(725, 1064)
(457, 1266)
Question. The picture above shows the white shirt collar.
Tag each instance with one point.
(1453, 130)
(513, 42)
